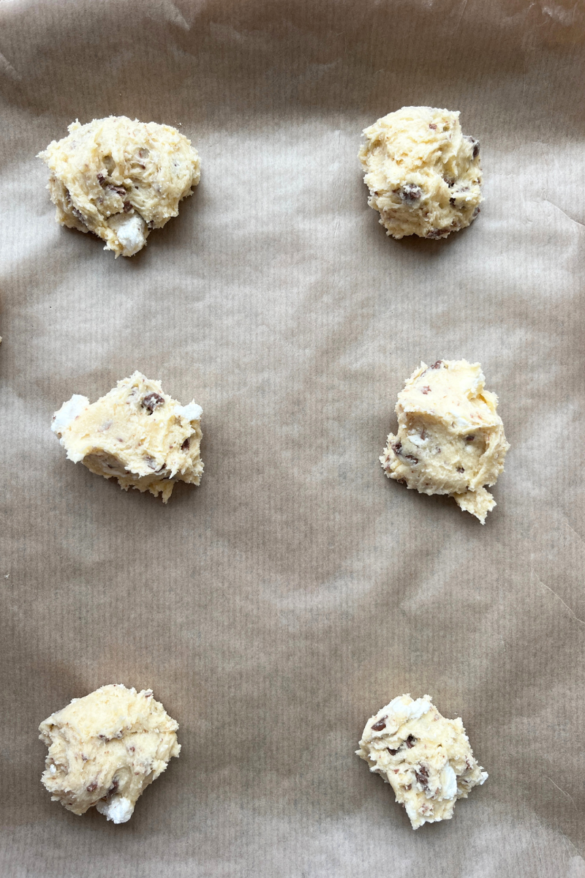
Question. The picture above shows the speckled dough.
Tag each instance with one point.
(423, 174)
(450, 438)
(425, 758)
(120, 179)
(136, 434)
(105, 749)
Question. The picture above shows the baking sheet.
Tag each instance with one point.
(275, 608)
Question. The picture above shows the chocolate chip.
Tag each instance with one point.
(380, 725)
(392, 752)
(77, 213)
(436, 233)
(437, 365)
(150, 224)
(113, 788)
(397, 447)
(101, 178)
(426, 389)
(185, 445)
(474, 143)
(449, 181)
(410, 192)
(410, 742)
(152, 401)
(119, 190)
(408, 787)
(433, 126)
(469, 438)
(422, 776)
(92, 787)
(150, 461)
(127, 207)
(451, 200)
(411, 457)
(460, 469)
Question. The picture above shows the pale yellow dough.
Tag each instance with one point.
(105, 749)
(120, 179)
(425, 758)
(423, 174)
(136, 434)
(450, 439)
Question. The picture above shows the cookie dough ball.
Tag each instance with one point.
(136, 434)
(450, 438)
(120, 179)
(105, 749)
(423, 174)
(425, 758)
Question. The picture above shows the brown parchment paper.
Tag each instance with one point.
(275, 608)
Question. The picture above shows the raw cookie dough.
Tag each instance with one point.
(425, 758)
(105, 749)
(423, 174)
(450, 439)
(120, 179)
(136, 434)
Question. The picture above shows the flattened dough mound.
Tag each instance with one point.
(105, 749)
(423, 174)
(425, 758)
(136, 434)
(450, 439)
(120, 179)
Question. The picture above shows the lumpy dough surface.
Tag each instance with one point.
(450, 438)
(136, 434)
(105, 749)
(425, 758)
(423, 174)
(120, 179)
